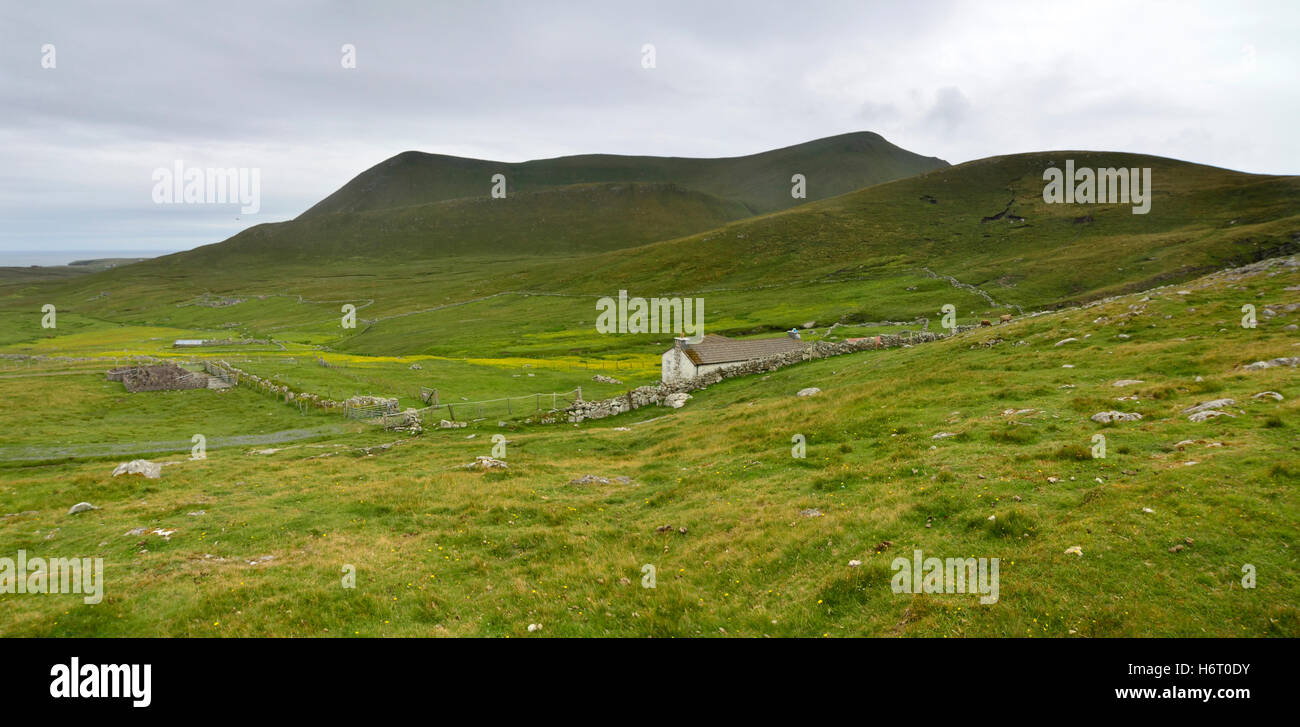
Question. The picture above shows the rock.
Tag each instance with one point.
(483, 462)
(810, 391)
(589, 480)
(139, 467)
(603, 379)
(1065, 341)
(534, 628)
(1017, 412)
(1106, 417)
(1201, 416)
(416, 367)
(1127, 382)
(1075, 549)
(944, 435)
(1269, 395)
(1215, 404)
(444, 424)
(811, 512)
(855, 563)
(1147, 509)
(81, 507)
(1260, 365)
(678, 400)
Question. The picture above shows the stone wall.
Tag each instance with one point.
(657, 394)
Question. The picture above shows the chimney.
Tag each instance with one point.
(794, 333)
(679, 343)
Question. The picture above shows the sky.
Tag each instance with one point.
(96, 96)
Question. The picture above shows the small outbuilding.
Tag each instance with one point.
(685, 360)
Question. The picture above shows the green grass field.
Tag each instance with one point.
(439, 550)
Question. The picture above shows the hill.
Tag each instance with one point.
(759, 182)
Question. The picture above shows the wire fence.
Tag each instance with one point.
(509, 406)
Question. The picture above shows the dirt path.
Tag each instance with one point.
(132, 449)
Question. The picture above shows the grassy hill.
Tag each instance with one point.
(519, 277)
(759, 182)
(760, 542)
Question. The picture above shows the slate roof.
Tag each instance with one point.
(714, 349)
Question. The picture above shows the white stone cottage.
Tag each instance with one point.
(685, 361)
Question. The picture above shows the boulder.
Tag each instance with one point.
(810, 391)
(81, 507)
(144, 467)
(677, 400)
(1106, 417)
(1206, 405)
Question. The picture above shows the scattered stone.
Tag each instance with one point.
(1065, 341)
(416, 367)
(1127, 382)
(261, 559)
(810, 391)
(139, 467)
(1147, 509)
(1075, 549)
(944, 435)
(1053, 480)
(534, 627)
(1268, 394)
(1106, 417)
(1201, 416)
(483, 462)
(603, 379)
(677, 400)
(855, 563)
(1205, 405)
(589, 480)
(81, 507)
(164, 534)
(197, 513)
(445, 424)
(811, 512)
(1260, 365)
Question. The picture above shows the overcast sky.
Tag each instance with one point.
(136, 86)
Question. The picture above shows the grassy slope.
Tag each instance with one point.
(439, 550)
(759, 182)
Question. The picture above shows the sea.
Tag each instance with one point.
(26, 258)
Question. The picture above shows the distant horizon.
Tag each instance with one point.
(56, 258)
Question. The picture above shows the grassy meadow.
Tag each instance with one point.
(760, 541)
